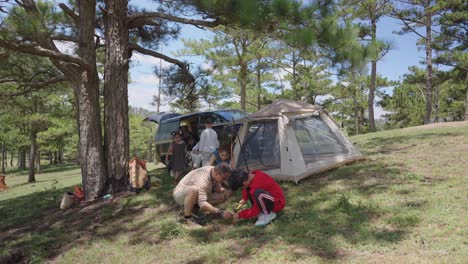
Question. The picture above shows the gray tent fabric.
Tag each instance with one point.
(292, 140)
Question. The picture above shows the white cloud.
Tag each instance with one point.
(206, 66)
(144, 79)
(140, 96)
(379, 112)
(145, 60)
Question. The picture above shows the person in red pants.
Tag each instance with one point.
(265, 195)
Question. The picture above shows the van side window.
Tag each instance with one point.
(165, 129)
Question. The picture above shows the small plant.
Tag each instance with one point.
(411, 176)
(343, 203)
(170, 230)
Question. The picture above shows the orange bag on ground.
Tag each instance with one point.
(79, 193)
(3, 185)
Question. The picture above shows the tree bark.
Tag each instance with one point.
(32, 156)
(38, 160)
(11, 159)
(116, 121)
(55, 154)
(3, 158)
(259, 87)
(243, 86)
(87, 91)
(427, 115)
(294, 78)
(373, 81)
(466, 100)
(60, 156)
(356, 111)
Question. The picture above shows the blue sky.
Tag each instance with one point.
(404, 53)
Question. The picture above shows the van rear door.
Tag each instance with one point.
(159, 117)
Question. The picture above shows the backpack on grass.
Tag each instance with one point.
(138, 175)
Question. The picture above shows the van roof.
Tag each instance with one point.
(227, 114)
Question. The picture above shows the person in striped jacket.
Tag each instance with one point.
(265, 195)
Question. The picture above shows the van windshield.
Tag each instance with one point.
(230, 114)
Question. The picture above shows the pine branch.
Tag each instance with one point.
(408, 26)
(35, 86)
(157, 55)
(75, 17)
(40, 51)
(141, 20)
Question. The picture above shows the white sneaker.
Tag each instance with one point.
(266, 219)
(260, 220)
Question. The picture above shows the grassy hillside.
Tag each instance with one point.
(406, 204)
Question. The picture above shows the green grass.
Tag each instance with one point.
(407, 203)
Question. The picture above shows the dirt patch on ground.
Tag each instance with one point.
(437, 125)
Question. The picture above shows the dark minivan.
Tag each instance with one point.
(195, 122)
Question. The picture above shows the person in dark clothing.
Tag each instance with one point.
(178, 153)
(265, 195)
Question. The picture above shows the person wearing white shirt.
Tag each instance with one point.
(206, 146)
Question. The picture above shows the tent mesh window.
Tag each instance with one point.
(261, 148)
(316, 140)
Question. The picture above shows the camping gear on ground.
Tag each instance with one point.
(292, 140)
(3, 185)
(138, 175)
(107, 196)
(79, 193)
(68, 200)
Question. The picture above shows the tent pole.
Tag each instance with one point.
(240, 145)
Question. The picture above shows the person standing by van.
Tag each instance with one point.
(207, 145)
(178, 153)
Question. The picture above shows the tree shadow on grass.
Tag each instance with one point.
(320, 215)
(46, 169)
(323, 213)
(35, 229)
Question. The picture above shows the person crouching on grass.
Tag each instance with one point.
(203, 187)
(264, 194)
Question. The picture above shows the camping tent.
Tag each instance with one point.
(292, 140)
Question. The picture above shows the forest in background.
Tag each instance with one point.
(74, 106)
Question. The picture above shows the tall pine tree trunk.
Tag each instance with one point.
(427, 114)
(55, 159)
(38, 160)
(116, 122)
(466, 100)
(60, 156)
(373, 81)
(89, 119)
(3, 158)
(243, 86)
(32, 156)
(259, 88)
(11, 158)
(356, 111)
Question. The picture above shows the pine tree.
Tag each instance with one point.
(416, 14)
(369, 12)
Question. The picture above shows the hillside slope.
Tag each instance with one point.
(407, 203)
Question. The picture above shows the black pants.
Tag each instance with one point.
(265, 201)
